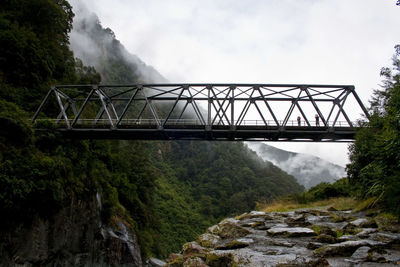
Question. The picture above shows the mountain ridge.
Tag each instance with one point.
(307, 169)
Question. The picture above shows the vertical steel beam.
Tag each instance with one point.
(209, 106)
(232, 102)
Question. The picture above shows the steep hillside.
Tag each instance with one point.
(98, 47)
(307, 169)
(68, 202)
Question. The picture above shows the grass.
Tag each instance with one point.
(282, 205)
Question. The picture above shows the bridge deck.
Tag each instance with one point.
(219, 132)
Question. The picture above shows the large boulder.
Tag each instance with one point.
(208, 240)
(228, 228)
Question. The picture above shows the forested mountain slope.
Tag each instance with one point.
(64, 199)
(307, 169)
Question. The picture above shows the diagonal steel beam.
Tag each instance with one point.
(42, 104)
(60, 104)
(268, 106)
(104, 104)
(84, 105)
(128, 105)
(315, 106)
(174, 105)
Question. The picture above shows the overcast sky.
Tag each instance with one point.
(261, 41)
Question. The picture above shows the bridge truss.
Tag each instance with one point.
(274, 112)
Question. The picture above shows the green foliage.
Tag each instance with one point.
(375, 156)
(227, 178)
(340, 188)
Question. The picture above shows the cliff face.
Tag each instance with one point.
(73, 236)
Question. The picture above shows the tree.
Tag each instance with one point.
(375, 155)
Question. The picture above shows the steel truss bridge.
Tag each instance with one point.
(270, 112)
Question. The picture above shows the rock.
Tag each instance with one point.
(213, 229)
(361, 253)
(73, 236)
(387, 238)
(236, 243)
(257, 213)
(229, 228)
(220, 260)
(344, 238)
(208, 240)
(192, 248)
(351, 229)
(291, 231)
(331, 209)
(314, 212)
(175, 260)
(346, 248)
(253, 222)
(282, 243)
(252, 214)
(365, 223)
(194, 262)
(314, 245)
(326, 230)
(388, 223)
(299, 220)
(153, 262)
(366, 232)
(337, 218)
(323, 238)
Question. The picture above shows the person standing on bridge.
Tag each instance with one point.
(298, 120)
(316, 120)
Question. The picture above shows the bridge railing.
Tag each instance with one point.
(189, 122)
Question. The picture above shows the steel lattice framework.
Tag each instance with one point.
(275, 112)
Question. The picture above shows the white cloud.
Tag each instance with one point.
(274, 41)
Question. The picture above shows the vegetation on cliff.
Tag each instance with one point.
(168, 192)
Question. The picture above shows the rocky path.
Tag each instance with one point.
(298, 238)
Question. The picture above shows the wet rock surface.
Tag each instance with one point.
(310, 237)
(75, 236)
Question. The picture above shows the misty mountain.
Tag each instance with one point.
(97, 46)
(307, 169)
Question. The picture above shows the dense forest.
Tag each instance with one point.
(167, 192)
